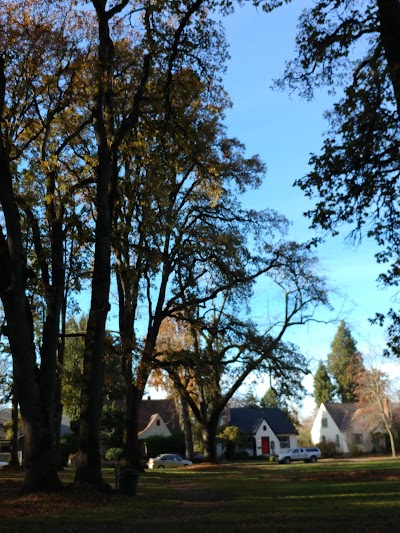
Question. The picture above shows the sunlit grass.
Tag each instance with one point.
(260, 496)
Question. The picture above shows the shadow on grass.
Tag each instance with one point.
(329, 496)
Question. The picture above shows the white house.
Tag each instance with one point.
(269, 431)
(347, 427)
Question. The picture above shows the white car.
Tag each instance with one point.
(167, 460)
(308, 455)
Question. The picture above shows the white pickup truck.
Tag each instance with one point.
(308, 455)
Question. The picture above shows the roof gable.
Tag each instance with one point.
(155, 426)
(341, 413)
(248, 419)
(165, 408)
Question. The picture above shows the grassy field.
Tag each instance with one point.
(340, 496)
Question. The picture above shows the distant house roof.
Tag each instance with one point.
(248, 419)
(341, 413)
(155, 426)
(5, 416)
(165, 408)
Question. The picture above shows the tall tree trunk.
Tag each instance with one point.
(89, 454)
(209, 433)
(40, 467)
(134, 452)
(389, 19)
(14, 430)
(187, 428)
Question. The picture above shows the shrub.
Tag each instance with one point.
(113, 454)
(328, 449)
(112, 426)
(242, 455)
(355, 451)
(157, 444)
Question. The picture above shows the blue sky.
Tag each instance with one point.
(284, 129)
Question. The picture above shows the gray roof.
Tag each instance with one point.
(341, 413)
(165, 408)
(248, 419)
(5, 415)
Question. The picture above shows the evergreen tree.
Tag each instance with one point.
(344, 364)
(270, 399)
(323, 386)
(251, 399)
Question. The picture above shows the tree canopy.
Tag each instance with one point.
(353, 48)
(377, 402)
(115, 161)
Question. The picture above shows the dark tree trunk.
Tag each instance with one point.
(133, 448)
(209, 433)
(187, 428)
(389, 19)
(15, 430)
(39, 460)
(89, 454)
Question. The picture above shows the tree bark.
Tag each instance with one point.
(39, 460)
(389, 19)
(187, 428)
(209, 433)
(89, 454)
(15, 430)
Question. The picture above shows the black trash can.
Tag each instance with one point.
(126, 481)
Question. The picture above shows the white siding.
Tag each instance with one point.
(274, 445)
(328, 433)
(156, 426)
(357, 433)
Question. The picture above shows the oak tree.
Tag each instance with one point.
(42, 49)
(354, 48)
(227, 348)
(375, 402)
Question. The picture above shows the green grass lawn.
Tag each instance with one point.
(340, 496)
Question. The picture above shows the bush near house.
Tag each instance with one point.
(113, 454)
(157, 444)
(328, 449)
(233, 440)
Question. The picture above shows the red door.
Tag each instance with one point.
(265, 445)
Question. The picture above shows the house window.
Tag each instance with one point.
(324, 422)
(158, 422)
(337, 440)
(357, 438)
(264, 428)
(284, 441)
(272, 445)
(323, 438)
(4, 446)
